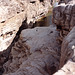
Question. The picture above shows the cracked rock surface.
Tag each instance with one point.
(36, 53)
(64, 16)
(68, 55)
(14, 12)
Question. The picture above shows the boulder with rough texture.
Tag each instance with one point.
(68, 48)
(36, 53)
(64, 17)
(67, 69)
(68, 55)
(14, 12)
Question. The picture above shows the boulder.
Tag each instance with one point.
(36, 53)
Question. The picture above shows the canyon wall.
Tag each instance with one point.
(41, 50)
(64, 18)
(14, 12)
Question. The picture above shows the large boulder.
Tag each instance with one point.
(14, 12)
(36, 53)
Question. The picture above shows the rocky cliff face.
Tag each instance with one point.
(14, 12)
(68, 55)
(63, 17)
(38, 51)
(13, 15)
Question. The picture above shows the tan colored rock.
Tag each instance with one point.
(67, 69)
(14, 12)
(36, 53)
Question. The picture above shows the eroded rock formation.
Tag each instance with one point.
(36, 53)
(64, 17)
(68, 55)
(14, 12)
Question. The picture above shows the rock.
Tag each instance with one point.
(67, 69)
(14, 12)
(66, 1)
(64, 16)
(36, 53)
(67, 60)
(67, 48)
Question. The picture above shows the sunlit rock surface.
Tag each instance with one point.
(36, 53)
(67, 69)
(14, 12)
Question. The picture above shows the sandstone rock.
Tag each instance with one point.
(36, 53)
(68, 48)
(67, 59)
(64, 16)
(68, 55)
(67, 69)
(14, 12)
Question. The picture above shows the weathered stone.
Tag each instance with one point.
(67, 69)
(36, 53)
(14, 12)
(67, 50)
(68, 55)
(64, 16)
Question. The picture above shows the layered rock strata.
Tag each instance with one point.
(36, 53)
(68, 55)
(64, 17)
(14, 12)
